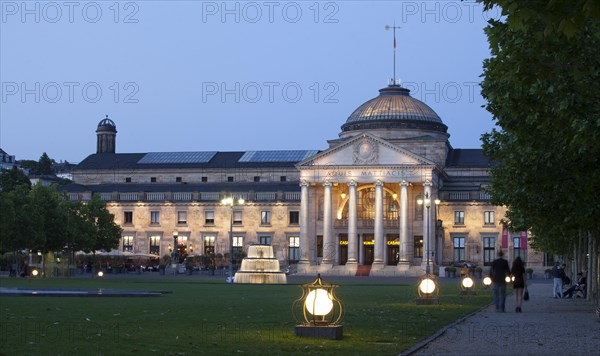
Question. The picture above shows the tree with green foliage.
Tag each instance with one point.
(44, 166)
(542, 85)
(106, 234)
(11, 178)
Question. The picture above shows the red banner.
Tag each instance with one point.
(504, 238)
(523, 240)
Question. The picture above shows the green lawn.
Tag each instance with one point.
(210, 317)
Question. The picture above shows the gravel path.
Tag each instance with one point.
(546, 326)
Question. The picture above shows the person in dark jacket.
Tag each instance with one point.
(499, 271)
(518, 272)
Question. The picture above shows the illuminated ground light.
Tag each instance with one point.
(467, 285)
(100, 274)
(318, 312)
(428, 290)
(487, 282)
(35, 273)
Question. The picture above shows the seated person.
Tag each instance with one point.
(579, 287)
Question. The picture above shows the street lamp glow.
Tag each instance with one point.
(427, 286)
(467, 282)
(420, 201)
(507, 279)
(319, 302)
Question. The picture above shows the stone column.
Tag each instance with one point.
(427, 219)
(352, 222)
(361, 249)
(304, 240)
(379, 241)
(404, 263)
(328, 243)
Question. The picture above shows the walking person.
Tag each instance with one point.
(557, 273)
(518, 272)
(499, 271)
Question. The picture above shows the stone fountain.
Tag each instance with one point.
(260, 267)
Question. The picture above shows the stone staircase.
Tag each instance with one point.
(363, 271)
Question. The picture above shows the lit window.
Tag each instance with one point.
(209, 217)
(155, 217)
(128, 243)
(154, 245)
(128, 217)
(418, 246)
(488, 217)
(238, 245)
(209, 244)
(294, 217)
(459, 217)
(237, 217)
(294, 249)
(182, 217)
(265, 217)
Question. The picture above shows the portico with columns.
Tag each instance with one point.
(359, 207)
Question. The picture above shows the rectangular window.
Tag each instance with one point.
(488, 217)
(237, 217)
(283, 179)
(154, 245)
(209, 217)
(294, 217)
(459, 249)
(418, 246)
(128, 217)
(178, 179)
(230, 179)
(209, 244)
(155, 217)
(319, 245)
(518, 251)
(265, 218)
(294, 249)
(264, 240)
(459, 218)
(204, 179)
(128, 180)
(127, 243)
(238, 245)
(489, 250)
(256, 178)
(182, 217)
(152, 179)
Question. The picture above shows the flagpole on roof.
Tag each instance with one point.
(394, 27)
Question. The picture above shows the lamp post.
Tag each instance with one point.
(230, 202)
(427, 202)
(175, 258)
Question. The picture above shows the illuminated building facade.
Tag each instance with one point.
(352, 204)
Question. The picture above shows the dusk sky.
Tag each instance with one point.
(228, 76)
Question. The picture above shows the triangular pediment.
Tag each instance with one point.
(365, 150)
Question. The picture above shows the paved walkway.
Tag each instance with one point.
(547, 326)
